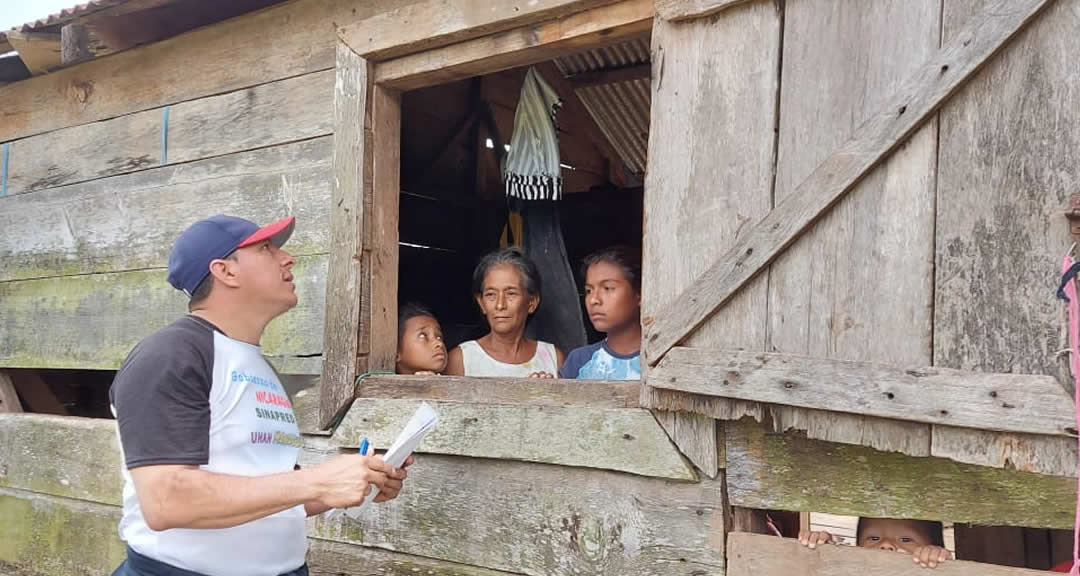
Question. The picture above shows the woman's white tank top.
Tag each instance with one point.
(479, 363)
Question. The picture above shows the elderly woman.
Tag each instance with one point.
(506, 285)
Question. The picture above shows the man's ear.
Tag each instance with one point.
(222, 270)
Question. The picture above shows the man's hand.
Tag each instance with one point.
(344, 481)
(390, 490)
(930, 556)
(812, 539)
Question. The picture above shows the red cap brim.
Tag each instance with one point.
(277, 233)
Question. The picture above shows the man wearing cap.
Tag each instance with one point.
(208, 436)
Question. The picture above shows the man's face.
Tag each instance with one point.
(264, 274)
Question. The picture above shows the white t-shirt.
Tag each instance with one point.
(479, 363)
(190, 395)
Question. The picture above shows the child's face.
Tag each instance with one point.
(421, 348)
(504, 300)
(892, 534)
(610, 300)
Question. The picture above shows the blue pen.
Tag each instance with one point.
(363, 447)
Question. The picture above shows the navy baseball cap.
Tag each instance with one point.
(215, 238)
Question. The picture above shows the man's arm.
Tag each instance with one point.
(176, 496)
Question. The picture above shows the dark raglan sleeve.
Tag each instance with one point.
(161, 398)
(574, 361)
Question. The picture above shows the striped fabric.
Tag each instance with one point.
(532, 167)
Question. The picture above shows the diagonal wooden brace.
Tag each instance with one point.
(921, 95)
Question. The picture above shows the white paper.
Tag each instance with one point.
(422, 422)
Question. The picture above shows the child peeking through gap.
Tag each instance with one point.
(922, 539)
(420, 342)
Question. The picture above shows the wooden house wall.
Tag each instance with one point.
(107, 161)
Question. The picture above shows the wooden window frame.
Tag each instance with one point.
(361, 296)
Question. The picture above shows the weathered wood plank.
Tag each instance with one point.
(39, 51)
(696, 437)
(345, 285)
(266, 115)
(306, 407)
(58, 537)
(1004, 402)
(91, 322)
(676, 10)
(36, 393)
(545, 520)
(698, 205)
(9, 397)
(520, 391)
(518, 47)
(885, 434)
(428, 24)
(788, 472)
(999, 227)
(824, 300)
(328, 558)
(758, 555)
(1053, 455)
(292, 39)
(1001, 189)
(922, 94)
(61, 456)
(129, 222)
(622, 439)
(380, 324)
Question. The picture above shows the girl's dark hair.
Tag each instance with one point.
(530, 274)
(933, 529)
(407, 312)
(621, 256)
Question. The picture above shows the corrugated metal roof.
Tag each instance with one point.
(620, 109)
(64, 16)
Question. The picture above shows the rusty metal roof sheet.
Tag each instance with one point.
(620, 109)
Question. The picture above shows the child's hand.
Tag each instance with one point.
(542, 375)
(425, 373)
(812, 539)
(930, 556)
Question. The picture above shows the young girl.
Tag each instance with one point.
(922, 539)
(420, 343)
(506, 285)
(613, 301)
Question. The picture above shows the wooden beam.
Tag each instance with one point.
(49, 535)
(9, 397)
(382, 242)
(36, 393)
(676, 10)
(621, 439)
(129, 222)
(532, 518)
(74, 44)
(758, 555)
(65, 322)
(789, 472)
(279, 112)
(522, 46)
(922, 94)
(606, 76)
(696, 437)
(429, 24)
(344, 290)
(516, 391)
(327, 558)
(40, 51)
(1004, 402)
(287, 40)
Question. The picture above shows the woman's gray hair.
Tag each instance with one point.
(513, 256)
